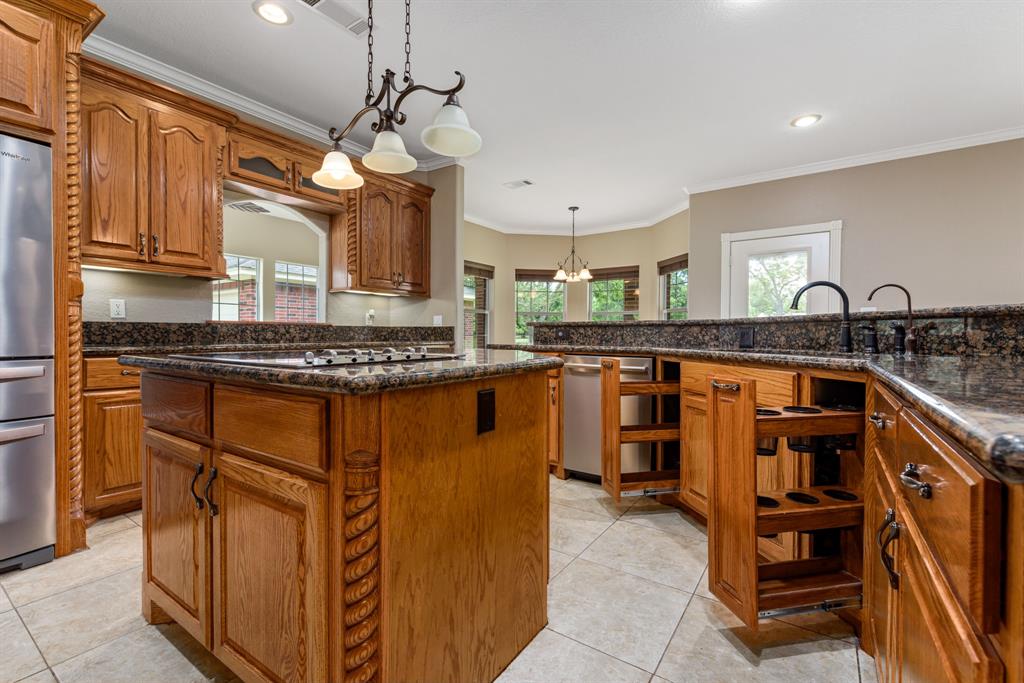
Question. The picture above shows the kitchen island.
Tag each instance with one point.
(370, 522)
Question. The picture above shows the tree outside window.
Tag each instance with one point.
(615, 295)
(675, 294)
(773, 280)
(475, 299)
(537, 301)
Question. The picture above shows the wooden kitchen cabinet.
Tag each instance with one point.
(269, 568)
(383, 244)
(26, 67)
(879, 514)
(112, 464)
(151, 177)
(250, 159)
(555, 424)
(693, 465)
(176, 532)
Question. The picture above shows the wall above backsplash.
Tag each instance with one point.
(966, 330)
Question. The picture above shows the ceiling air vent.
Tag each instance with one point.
(249, 207)
(516, 184)
(341, 14)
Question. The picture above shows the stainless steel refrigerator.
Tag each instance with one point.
(28, 517)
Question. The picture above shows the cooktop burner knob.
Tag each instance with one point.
(422, 350)
(310, 358)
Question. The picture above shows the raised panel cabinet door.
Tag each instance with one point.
(269, 572)
(176, 530)
(115, 181)
(184, 211)
(112, 433)
(936, 640)
(251, 160)
(412, 245)
(26, 71)
(693, 464)
(879, 594)
(377, 268)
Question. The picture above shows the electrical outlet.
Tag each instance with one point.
(438, 320)
(370, 316)
(117, 309)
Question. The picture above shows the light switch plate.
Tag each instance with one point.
(117, 308)
(438, 320)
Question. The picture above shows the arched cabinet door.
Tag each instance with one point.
(377, 269)
(412, 245)
(251, 160)
(115, 182)
(184, 211)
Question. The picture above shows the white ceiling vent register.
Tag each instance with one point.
(516, 184)
(248, 207)
(341, 14)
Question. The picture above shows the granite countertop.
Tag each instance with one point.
(978, 400)
(96, 351)
(365, 379)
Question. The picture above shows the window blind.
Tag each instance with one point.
(474, 269)
(671, 265)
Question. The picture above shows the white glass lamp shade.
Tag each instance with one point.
(388, 154)
(585, 274)
(574, 277)
(561, 276)
(337, 172)
(450, 135)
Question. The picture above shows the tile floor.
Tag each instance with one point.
(628, 602)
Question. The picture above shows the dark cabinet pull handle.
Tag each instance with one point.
(192, 486)
(890, 515)
(887, 560)
(142, 244)
(554, 396)
(401, 277)
(725, 386)
(877, 419)
(911, 478)
(214, 510)
(156, 245)
(128, 373)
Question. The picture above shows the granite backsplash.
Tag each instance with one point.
(128, 334)
(961, 331)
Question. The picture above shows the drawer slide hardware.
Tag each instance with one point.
(824, 606)
(650, 492)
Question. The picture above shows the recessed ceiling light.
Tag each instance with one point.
(805, 120)
(272, 12)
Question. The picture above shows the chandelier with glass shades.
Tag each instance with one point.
(567, 269)
(450, 135)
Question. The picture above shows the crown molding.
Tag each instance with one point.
(670, 211)
(119, 55)
(861, 160)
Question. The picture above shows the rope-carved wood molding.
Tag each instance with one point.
(362, 567)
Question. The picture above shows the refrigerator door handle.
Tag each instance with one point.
(18, 433)
(22, 372)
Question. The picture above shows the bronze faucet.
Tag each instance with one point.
(845, 344)
(912, 332)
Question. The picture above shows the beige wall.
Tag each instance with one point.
(148, 298)
(949, 226)
(643, 247)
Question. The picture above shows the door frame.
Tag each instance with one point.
(835, 243)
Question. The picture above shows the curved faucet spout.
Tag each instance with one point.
(845, 343)
(910, 309)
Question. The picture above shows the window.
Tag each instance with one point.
(538, 299)
(295, 292)
(615, 293)
(476, 299)
(674, 274)
(238, 296)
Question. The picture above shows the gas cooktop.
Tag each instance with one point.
(321, 358)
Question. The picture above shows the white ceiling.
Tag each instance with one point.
(620, 106)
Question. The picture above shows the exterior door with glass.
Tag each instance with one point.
(766, 272)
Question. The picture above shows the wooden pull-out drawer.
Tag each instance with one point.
(283, 427)
(176, 404)
(774, 387)
(106, 373)
(957, 507)
(882, 424)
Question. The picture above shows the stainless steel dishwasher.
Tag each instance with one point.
(582, 406)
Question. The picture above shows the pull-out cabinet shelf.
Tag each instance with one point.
(738, 514)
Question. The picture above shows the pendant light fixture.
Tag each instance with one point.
(449, 135)
(572, 275)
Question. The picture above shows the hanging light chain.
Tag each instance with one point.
(408, 45)
(369, 54)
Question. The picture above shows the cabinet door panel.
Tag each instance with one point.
(113, 465)
(696, 449)
(269, 539)
(26, 56)
(412, 245)
(554, 420)
(184, 209)
(115, 182)
(376, 236)
(937, 641)
(304, 185)
(251, 160)
(879, 596)
(177, 572)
